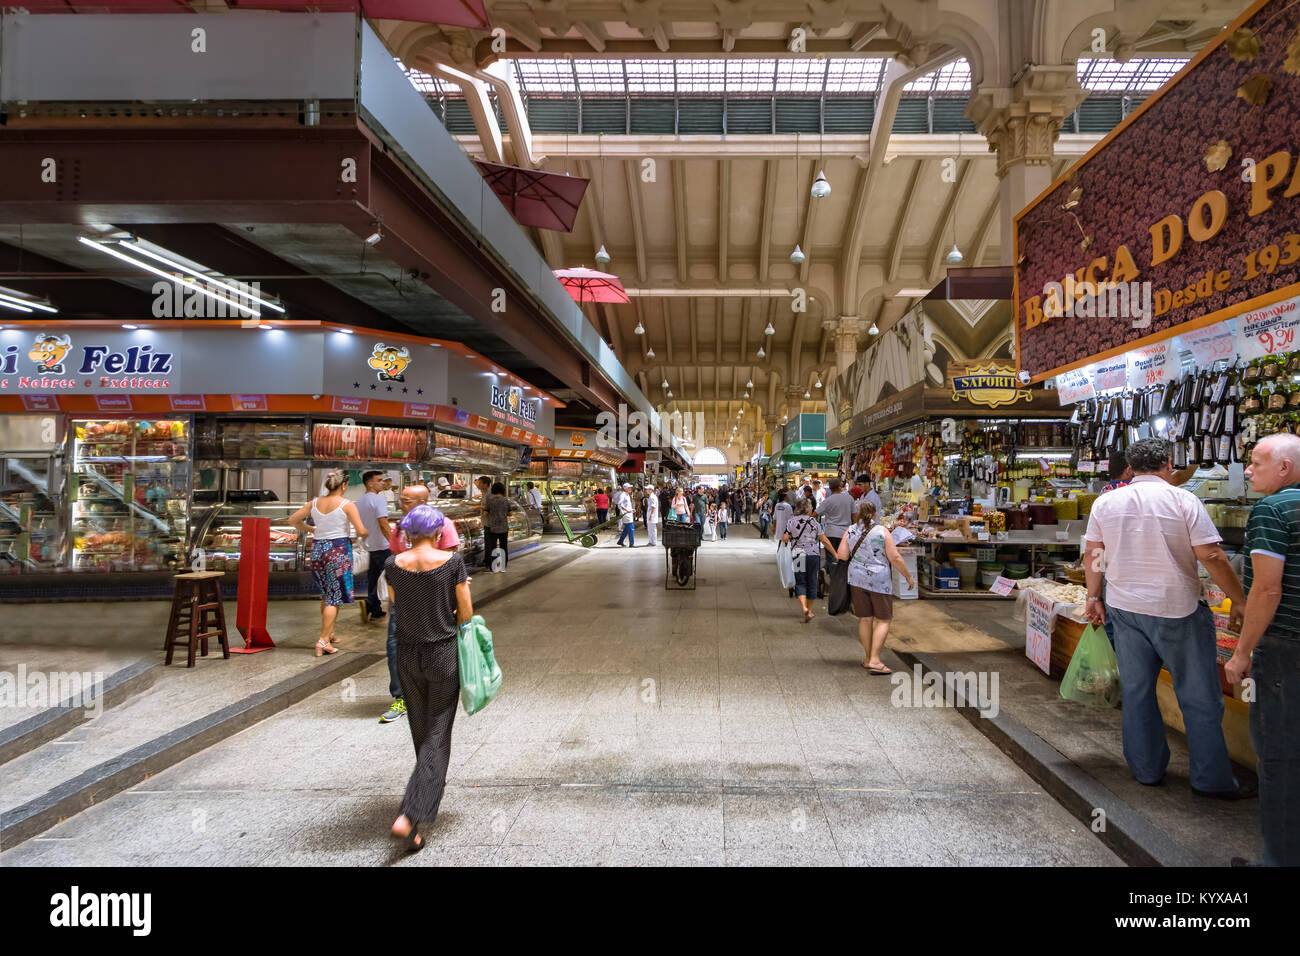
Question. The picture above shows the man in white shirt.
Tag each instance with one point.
(626, 516)
(819, 494)
(1152, 534)
(836, 515)
(373, 508)
(534, 497)
(870, 495)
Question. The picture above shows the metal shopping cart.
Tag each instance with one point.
(681, 542)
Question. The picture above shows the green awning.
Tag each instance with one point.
(804, 454)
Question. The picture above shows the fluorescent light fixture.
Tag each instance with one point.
(911, 293)
(22, 302)
(344, 331)
(131, 327)
(117, 253)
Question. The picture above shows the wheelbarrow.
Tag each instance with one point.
(588, 538)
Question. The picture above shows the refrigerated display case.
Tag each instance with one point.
(221, 531)
(30, 538)
(128, 494)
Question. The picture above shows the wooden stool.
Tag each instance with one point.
(197, 614)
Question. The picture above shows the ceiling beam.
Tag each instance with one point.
(864, 34)
(638, 216)
(724, 216)
(811, 206)
(693, 318)
(679, 218)
(896, 247)
(669, 354)
(592, 202)
(984, 232)
(771, 169)
(945, 227)
(593, 33)
(717, 329)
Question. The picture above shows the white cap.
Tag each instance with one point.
(626, 485)
(444, 483)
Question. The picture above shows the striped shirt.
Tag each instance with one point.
(1274, 530)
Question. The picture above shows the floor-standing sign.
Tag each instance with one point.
(254, 566)
(1038, 630)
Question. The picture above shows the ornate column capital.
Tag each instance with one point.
(1022, 122)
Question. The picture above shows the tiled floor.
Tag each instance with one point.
(635, 726)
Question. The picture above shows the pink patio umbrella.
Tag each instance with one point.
(536, 197)
(591, 286)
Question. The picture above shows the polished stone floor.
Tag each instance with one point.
(636, 726)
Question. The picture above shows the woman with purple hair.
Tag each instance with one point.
(431, 590)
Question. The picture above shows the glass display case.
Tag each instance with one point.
(220, 527)
(30, 538)
(273, 439)
(128, 494)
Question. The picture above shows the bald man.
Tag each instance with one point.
(449, 540)
(1269, 646)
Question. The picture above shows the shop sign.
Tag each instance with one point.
(989, 382)
(415, 410)
(389, 362)
(1075, 386)
(53, 361)
(356, 406)
(250, 403)
(1268, 331)
(113, 403)
(1111, 374)
(1193, 201)
(577, 439)
(1208, 345)
(1038, 630)
(40, 403)
(188, 403)
(1148, 365)
(509, 404)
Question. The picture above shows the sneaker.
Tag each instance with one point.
(397, 710)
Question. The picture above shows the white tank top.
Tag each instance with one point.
(329, 526)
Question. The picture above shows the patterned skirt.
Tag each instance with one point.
(331, 566)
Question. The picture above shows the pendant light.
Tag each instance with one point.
(821, 187)
(650, 352)
(797, 257)
(769, 330)
(602, 257)
(807, 394)
(749, 383)
(819, 382)
(761, 353)
(665, 383)
(873, 330)
(640, 329)
(747, 390)
(954, 256)
(670, 393)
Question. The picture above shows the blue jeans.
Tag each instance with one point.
(805, 581)
(376, 568)
(722, 530)
(1186, 646)
(394, 683)
(628, 532)
(1275, 734)
(763, 521)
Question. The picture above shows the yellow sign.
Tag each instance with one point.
(991, 382)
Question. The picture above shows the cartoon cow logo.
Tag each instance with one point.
(389, 363)
(513, 401)
(49, 351)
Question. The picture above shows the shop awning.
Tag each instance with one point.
(804, 454)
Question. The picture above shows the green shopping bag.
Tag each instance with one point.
(480, 676)
(1092, 679)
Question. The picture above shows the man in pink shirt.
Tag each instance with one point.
(449, 541)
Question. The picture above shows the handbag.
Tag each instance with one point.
(480, 675)
(360, 560)
(838, 598)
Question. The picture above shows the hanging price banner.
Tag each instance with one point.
(1075, 386)
(1111, 374)
(1269, 331)
(1211, 344)
(1147, 366)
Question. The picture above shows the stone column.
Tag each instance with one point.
(1021, 123)
(847, 331)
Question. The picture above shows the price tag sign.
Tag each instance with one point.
(982, 536)
(1002, 535)
(1268, 331)
(1147, 366)
(1210, 344)
(1087, 467)
(1003, 586)
(1111, 374)
(1038, 630)
(1062, 536)
(1075, 386)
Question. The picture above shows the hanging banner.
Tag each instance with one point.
(1269, 331)
(1075, 386)
(1148, 365)
(1111, 374)
(1210, 344)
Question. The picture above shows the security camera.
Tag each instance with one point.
(1024, 377)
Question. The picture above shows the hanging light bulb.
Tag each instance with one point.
(747, 390)
(602, 257)
(807, 394)
(761, 353)
(769, 330)
(650, 352)
(819, 382)
(665, 383)
(797, 257)
(640, 329)
(954, 256)
(749, 384)
(873, 330)
(821, 188)
(670, 393)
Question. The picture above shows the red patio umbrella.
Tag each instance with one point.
(591, 286)
(536, 197)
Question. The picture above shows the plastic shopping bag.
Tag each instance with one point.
(480, 676)
(360, 561)
(1092, 678)
(785, 565)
